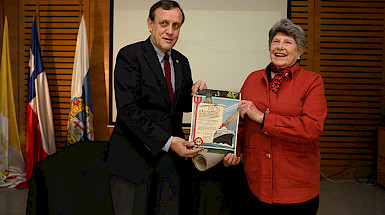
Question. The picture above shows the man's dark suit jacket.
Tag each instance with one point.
(144, 111)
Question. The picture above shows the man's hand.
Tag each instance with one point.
(183, 148)
(231, 159)
(199, 85)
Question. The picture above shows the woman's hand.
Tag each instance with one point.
(231, 159)
(248, 107)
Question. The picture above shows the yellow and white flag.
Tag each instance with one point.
(12, 166)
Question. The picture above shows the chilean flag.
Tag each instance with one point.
(40, 138)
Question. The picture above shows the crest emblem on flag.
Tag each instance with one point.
(3, 155)
(80, 121)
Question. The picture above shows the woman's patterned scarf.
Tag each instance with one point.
(279, 76)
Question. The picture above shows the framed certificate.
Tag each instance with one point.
(214, 121)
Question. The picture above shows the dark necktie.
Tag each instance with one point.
(167, 71)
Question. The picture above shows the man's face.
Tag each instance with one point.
(165, 27)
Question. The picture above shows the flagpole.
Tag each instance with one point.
(4, 15)
(80, 9)
(80, 21)
(38, 18)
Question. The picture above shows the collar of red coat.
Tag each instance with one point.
(293, 73)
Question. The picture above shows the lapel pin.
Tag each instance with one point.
(177, 61)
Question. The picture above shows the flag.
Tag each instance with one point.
(80, 121)
(40, 137)
(12, 166)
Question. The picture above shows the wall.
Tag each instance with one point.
(346, 46)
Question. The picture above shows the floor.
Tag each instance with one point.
(338, 197)
(351, 197)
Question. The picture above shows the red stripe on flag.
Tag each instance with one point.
(34, 147)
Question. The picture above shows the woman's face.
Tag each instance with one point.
(284, 51)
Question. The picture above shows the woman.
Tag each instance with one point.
(284, 110)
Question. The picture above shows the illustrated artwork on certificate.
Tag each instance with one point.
(214, 122)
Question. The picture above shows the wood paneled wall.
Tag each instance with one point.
(58, 22)
(346, 45)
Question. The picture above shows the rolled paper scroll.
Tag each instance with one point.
(205, 160)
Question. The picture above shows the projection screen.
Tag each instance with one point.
(224, 40)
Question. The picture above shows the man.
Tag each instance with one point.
(153, 87)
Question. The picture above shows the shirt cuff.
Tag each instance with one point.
(166, 147)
